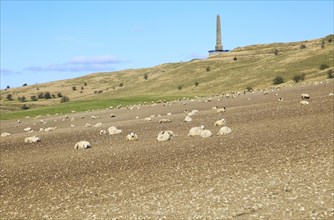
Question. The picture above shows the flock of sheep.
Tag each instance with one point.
(162, 136)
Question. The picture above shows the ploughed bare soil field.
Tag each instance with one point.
(276, 164)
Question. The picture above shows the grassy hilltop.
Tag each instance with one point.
(255, 67)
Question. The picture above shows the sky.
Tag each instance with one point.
(43, 41)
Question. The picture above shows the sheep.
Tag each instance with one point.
(214, 108)
(196, 131)
(103, 132)
(305, 96)
(112, 116)
(98, 125)
(331, 94)
(220, 122)
(187, 119)
(132, 137)
(82, 145)
(206, 133)
(193, 112)
(164, 120)
(113, 130)
(5, 134)
(224, 130)
(28, 129)
(50, 129)
(94, 117)
(41, 129)
(72, 126)
(169, 114)
(220, 110)
(88, 125)
(148, 119)
(280, 99)
(304, 102)
(33, 139)
(165, 135)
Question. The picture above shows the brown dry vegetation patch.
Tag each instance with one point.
(277, 163)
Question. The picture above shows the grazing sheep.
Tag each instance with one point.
(50, 129)
(148, 119)
(196, 131)
(169, 114)
(72, 126)
(187, 119)
(88, 125)
(103, 132)
(5, 134)
(98, 125)
(304, 102)
(82, 145)
(94, 117)
(224, 130)
(28, 129)
(305, 96)
(164, 120)
(113, 130)
(41, 129)
(214, 108)
(132, 137)
(220, 110)
(165, 135)
(220, 122)
(206, 133)
(33, 139)
(280, 99)
(331, 94)
(193, 112)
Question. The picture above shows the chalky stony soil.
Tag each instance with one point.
(277, 163)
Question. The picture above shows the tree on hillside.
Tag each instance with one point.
(33, 98)
(278, 80)
(9, 97)
(196, 83)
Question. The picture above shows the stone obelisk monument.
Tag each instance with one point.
(219, 46)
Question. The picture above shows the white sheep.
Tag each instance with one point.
(113, 130)
(224, 130)
(50, 129)
(304, 102)
(32, 139)
(5, 134)
(148, 119)
(305, 96)
(132, 137)
(82, 145)
(220, 122)
(196, 131)
(103, 132)
(28, 129)
(88, 125)
(193, 112)
(98, 125)
(280, 99)
(331, 94)
(188, 119)
(164, 120)
(220, 110)
(206, 133)
(165, 135)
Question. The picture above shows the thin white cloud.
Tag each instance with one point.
(79, 64)
(7, 72)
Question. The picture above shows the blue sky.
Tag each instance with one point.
(43, 41)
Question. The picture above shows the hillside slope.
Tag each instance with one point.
(255, 67)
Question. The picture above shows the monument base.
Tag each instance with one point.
(215, 52)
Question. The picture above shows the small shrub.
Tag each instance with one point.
(180, 87)
(53, 96)
(33, 98)
(330, 74)
(85, 84)
(249, 89)
(22, 99)
(47, 95)
(64, 99)
(298, 77)
(40, 95)
(145, 76)
(276, 52)
(235, 58)
(37, 88)
(100, 91)
(303, 46)
(278, 80)
(7, 87)
(330, 40)
(9, 97)
(59, 95)
(208, 69)
(323, 66)
(82, 88)
(25, 107)
(322, 44)
(74, 88)
(25, 84)
(196, 83)
(121, 85)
